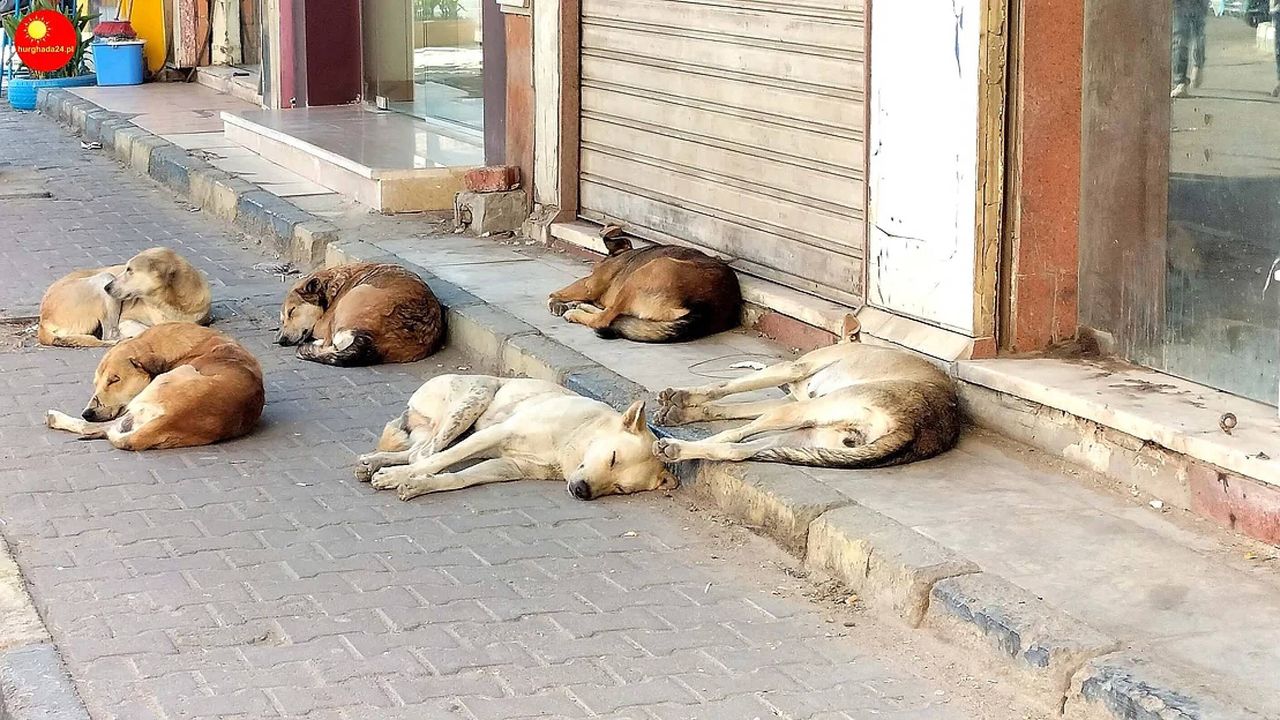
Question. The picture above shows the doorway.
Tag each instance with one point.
(424, 58)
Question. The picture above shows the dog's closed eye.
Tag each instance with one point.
(613, 460)
(113, 379)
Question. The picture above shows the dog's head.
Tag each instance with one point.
(124, 371)
(621, 461)
(302, 309)
(146, 273)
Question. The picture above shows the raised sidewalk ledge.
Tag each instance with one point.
(1096, 604)
(1151, 431)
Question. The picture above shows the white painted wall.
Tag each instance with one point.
(922, 176)
(547, 63)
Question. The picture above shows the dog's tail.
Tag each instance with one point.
(895, 448)
(360, 351)
(48, 337)
(699, 321)
(395, 436)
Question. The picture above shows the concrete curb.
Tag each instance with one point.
(291, 231)
(35, 686)
(1062, 661)
(33, 683)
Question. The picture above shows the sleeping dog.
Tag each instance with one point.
(93, 308)
(521, 429)
(850, 405)
(175, 385)
(362, 314)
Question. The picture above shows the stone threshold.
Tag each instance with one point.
(237, 82)
(1154, 432)
(938, 544)
(311, 143)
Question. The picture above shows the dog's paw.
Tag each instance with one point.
(674, 398)
(51, 418)
(366, 466)
(409, 491)
(669, 415)
(667, 450)
(558, 307)
(389, 478)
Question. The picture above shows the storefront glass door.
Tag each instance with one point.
(424, 58)
(1220, 327)
(1180, 192)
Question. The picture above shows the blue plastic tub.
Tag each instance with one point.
(118, 62)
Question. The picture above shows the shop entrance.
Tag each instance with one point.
(424, 58)
(1181, 203)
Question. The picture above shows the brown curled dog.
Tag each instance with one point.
(93, 308)
(658, 294)
(362, 314)
(174, 385)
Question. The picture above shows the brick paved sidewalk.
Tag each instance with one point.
(259, 579)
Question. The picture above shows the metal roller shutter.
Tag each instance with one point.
(735, 126)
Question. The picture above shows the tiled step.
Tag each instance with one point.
(390, 162)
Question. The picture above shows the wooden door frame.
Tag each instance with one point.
(557, 32)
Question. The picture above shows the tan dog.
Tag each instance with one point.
(93, 308)
(850, 406)
(362, 314)
(174, 385)
(526, 429)
(659, 294)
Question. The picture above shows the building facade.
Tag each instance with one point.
(979, 178)
(976, 178)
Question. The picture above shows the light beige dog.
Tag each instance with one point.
(850, 405)
(522, 429)
(93, 308)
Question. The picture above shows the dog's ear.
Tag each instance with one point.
(614, 240)
(148, 364)
(850, 329)
(310, 289)
(633, 418)
(668, 481)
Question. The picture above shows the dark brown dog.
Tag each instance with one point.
(361, 314)
(659, 294)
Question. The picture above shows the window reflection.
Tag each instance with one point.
(1220, 326)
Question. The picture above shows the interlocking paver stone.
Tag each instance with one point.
(259, 579)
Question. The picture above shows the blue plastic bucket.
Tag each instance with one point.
(118, 62)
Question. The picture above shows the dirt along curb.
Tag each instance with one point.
(1066, 666)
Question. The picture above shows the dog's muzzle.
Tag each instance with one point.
(113, 289)
(94, 412)
(580, 489)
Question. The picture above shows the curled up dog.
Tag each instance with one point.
(518, 429)
(95, 308)
(362, 314)
(174, 385)
(658, 294)
(849, 405)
